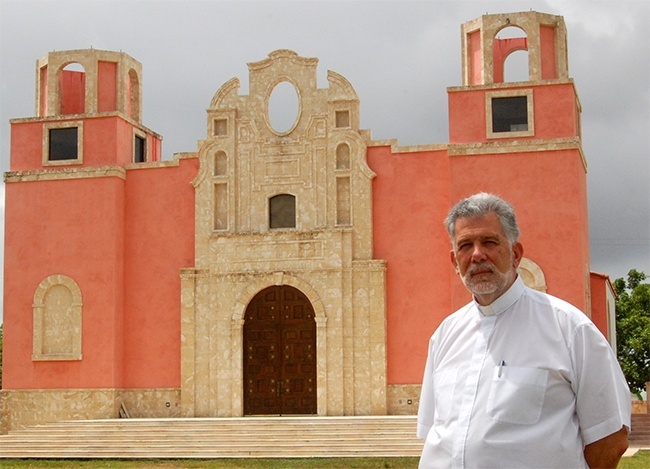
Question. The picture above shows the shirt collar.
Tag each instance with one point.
(505, 301)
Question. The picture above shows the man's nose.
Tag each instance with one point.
(478, 253)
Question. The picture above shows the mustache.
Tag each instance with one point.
(475, 268)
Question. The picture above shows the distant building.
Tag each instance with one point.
(295, 269)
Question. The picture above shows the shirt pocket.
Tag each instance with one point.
(444, 383)
(517, 394)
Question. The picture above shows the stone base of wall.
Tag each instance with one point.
(4, 422)
(152, 403)
(23, 408)
(403, 399)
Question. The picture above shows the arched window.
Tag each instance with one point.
(282, 211)
(343, 156)
(515, 68)
(72, 89)
(532, 275)
(57, 319)
(511, 55)
(220, 164)
(134, 96)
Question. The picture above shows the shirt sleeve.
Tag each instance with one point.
(426, 406)
(603, 403)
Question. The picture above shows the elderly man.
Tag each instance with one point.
(516, 378)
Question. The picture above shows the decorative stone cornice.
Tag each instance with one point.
(64, 174)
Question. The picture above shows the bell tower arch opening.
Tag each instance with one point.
(134, 99)
(511, 55)
(72, 86)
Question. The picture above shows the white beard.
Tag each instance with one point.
(486, 284)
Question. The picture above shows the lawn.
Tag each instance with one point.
(641, 460)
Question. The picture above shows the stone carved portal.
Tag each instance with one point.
(320, 247)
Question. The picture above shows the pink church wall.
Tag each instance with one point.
(107, 86)
(599, 314)
(408, 194)
(555, 108)
(534, 182)
(75, 229)
(422, 287)
(107, 141)
(72, 85)
(159, 242)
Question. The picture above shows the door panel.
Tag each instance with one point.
(280, 353)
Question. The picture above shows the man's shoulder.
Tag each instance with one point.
(461, 314)
(557, 305)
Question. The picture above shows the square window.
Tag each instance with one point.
(220, 127)
(510, 114)
(342, 119)
(63, 144)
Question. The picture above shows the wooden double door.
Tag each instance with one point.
(279, 353)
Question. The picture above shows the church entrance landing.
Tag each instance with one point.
(279, 353)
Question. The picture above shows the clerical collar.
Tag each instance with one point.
(505, 301)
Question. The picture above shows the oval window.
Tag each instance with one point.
(283, 107)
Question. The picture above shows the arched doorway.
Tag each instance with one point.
(279, 353)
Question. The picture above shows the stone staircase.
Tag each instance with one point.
(640, 434)
(248, 437)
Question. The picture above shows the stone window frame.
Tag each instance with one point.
(46, 142)
(39, 309)
(528, 93)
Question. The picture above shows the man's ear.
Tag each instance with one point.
(517, 254)
(454, 262)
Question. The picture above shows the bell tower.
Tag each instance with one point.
(521, 137)
(484, 53)
(100, 81)
(542, 107)
(66, 195)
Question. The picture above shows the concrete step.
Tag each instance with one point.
(640, 434)
(259, 437)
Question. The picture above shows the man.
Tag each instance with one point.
(516, 378)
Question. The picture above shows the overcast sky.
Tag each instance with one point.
(400, 56)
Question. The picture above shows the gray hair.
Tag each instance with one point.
(479, 205)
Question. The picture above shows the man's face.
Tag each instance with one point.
(484, 258)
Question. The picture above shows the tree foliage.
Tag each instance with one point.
(633, 329)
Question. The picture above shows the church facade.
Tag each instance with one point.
(277, 270)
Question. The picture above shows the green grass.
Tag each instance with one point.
(641, 460)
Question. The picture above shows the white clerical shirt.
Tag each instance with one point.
(524, 382)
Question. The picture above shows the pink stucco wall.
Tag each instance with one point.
(74, 228)
(159, 214)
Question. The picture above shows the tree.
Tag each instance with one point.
(633, 329)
